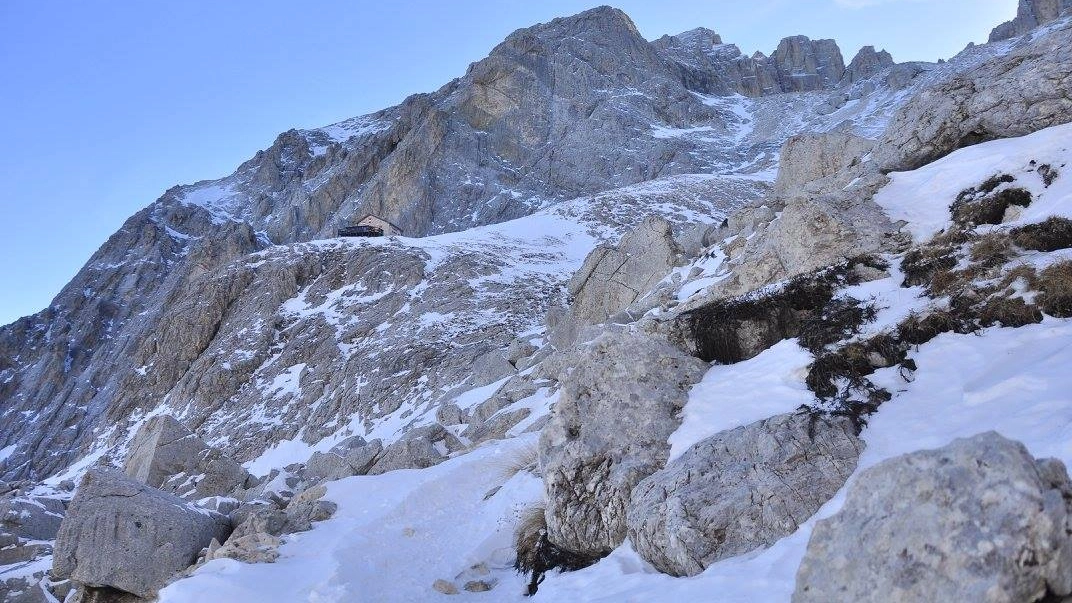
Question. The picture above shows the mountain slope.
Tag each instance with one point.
(570, 108)
(1003, 378)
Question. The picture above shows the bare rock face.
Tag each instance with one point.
(1029, 15)
(1012, 95)
(866, 64)
(740, 490)
(30, 517)
(419, 448)
(167, 455)
(613, 277)
(806, 158)
(619, 403)
(976, 520)
(122, 534)
(803, 64)
(799, 64)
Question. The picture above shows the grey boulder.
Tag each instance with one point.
(977, 520)
(121, 534)
(167, 455)
(620, 400)
(31, 517)
(419, 448)
(613, 277)
(806, 158)
(355, 458)
(740, 490)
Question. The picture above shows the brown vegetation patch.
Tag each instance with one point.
(989, 209)
(735, 329)
(1055, 283)
(536, 555)
(1052, 234)
(990, 250)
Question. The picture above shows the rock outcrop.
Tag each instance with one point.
(866, 64)
(1011, 95)
(977, 520)
(619, 402)
(803, 65)
(122, 534)
(354, 456)
(30, 517)
(419, 448)
(799, 64)
(806, 158)
(740, 490)
(613, 277)
(165, 454)
(1029, 15)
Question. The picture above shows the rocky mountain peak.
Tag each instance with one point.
(1029, 15)
(867, 63)
(700, 39)
(591, 24)
(804, 64)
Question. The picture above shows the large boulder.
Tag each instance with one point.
(613, 277)
(356, 457)
(1014, 94)
(167, 455)
(740, 490)
(1029, 15)
(619, 402)
(419, 448)
(122, 534)
(31, 517)
(977, 520)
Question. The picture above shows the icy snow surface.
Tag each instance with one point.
(922, 197)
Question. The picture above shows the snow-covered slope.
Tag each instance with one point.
(396, 534)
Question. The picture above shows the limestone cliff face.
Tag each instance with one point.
(799, 64)
(1029, 15)
(220, 300)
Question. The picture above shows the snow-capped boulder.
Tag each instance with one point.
(619, 402)
(167, 455)
(977, 520)
(740, 490)
(119, 533)
(614, 276)
(31, 517)
(1014, 94)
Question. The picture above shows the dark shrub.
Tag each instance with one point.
(1056, 285)
(1052, 234)
(989, 209)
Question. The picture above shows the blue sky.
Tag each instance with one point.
(106, 104)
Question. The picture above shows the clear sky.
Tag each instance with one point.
(105, 104)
